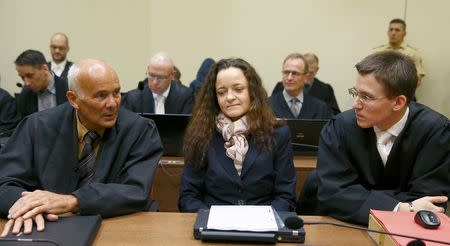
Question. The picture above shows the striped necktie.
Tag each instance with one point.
(87, 158)
(294, 107)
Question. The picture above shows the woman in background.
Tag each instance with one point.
(235, 151)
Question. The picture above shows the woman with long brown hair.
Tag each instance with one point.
(235, 151)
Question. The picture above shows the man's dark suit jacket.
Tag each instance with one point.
(312, 108)
(324, 92)
(8, 113)
(43, 154)
(27, 102)
(318, 89)
(179, 101)
(267, 177)
(64, 72)
(351, 174)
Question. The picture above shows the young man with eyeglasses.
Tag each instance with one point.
(292, 102)
(160, 93)
(387, 153)
(59, 47)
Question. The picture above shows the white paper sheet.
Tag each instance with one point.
(242, 218)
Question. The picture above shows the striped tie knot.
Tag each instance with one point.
(294, 107)
(87, 158)
(90, 137)
(89, 140)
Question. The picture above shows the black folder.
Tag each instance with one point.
(282, 235)
(70, 231)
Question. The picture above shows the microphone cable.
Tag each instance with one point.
(296, 223)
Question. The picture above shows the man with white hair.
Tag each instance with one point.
(160, 93)
(82, 157)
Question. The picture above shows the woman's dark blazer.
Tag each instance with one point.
(267, 178)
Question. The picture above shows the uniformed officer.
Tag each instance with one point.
(396, 33)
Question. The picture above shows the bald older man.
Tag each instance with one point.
(160, 93)
(85, 156)
(59, 47)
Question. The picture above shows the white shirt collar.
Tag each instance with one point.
(288, 97)
(164, 94)
(396, 128)
(58, 68)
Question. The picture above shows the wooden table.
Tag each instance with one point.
(160, 228)
(166, 185)
(177, 228)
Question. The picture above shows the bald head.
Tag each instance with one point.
(94, 91)
(160, 72)
(161, 58)
(59, 47)
(59, 36)
(89, 71)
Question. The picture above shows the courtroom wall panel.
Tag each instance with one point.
(127, 33)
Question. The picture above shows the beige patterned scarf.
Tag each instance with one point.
(233, 133)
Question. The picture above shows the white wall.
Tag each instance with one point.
(112, 30)
(428, 29)
(127, 33)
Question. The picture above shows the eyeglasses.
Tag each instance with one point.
(55, 47)
(292, 73)
(362, 97)
(157, 77)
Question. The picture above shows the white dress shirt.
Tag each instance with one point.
(58, 68)
(160, 100)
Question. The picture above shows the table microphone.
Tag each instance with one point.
(295, 223)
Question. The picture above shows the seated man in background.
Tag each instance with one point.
(314, 86)
(160, 93)
(86, 157)
(317, 88)
(388, 153)
(42, 89)
(177, 74)
(59, 47)
(292, 102)
(8, 112)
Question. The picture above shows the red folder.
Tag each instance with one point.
(403, 223)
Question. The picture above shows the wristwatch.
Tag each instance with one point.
(411, 207)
